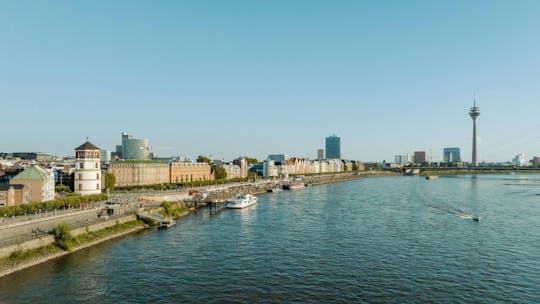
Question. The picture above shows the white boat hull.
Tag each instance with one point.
(241, 202)
(296, 187)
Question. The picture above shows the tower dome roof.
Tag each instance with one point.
(87, 146)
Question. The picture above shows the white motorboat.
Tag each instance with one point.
(241, 201)
(295, 186)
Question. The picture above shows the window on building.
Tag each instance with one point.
(97, 176)
(81, 166)
(80, 175)
(97, 186)
(80, 186)
(96, 165)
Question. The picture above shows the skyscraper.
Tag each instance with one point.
(451, 155)
(333, 147)
(474, 113)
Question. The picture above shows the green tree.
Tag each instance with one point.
(72, 182)
(62, 236)
(61, 188)
(203, 159)
(355, 167)
(252, 175)
(252, 161)
(110, 181)
(219, 172)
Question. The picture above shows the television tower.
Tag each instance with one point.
(474, 113)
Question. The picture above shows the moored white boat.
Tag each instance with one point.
(241, 201)
(296, 186)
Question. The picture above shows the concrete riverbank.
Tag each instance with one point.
(12, 266)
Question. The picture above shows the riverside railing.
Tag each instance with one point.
(36, 233)
(45, 214)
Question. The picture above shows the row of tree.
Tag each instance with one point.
(71, 200)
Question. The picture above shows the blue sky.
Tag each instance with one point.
(231, 78)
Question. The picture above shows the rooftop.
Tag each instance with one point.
(87, 146)
(32, 173)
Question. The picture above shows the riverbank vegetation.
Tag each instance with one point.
(19, 256)
(92, 236)
(173, 210)
(62, 237)
(64, 241)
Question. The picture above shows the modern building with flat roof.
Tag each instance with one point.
(278, 157)
(419, 157)
(401, 159)
(105, 156)
(451, 155)
(134, 148)
(333, 147)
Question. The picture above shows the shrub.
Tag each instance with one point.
(62, 237)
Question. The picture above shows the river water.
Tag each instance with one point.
(377, 240)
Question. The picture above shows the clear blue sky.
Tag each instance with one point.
(232, 78)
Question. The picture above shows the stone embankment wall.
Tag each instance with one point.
(49, 239)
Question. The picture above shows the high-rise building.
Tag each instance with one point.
(105, 156)
(133, 148)
(320, 154)
(419, 157)
(87, 169)
(536, 161)
(474, 113)
(400, 159)
(519, 160)
(451, 155)
(333, 147)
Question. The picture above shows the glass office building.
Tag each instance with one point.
(333, 147)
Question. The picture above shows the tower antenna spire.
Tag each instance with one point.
(474, 113)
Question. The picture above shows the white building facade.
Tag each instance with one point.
(87, 169)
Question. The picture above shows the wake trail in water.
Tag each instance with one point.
(445, 208)
(455, 212)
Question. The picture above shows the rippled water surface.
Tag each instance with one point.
(379, 240)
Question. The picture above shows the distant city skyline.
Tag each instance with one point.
(255, 78)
